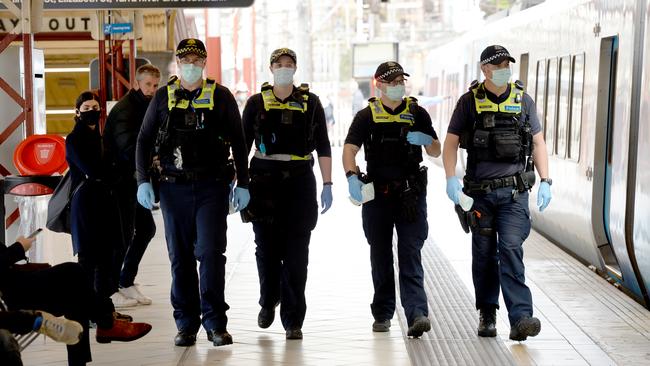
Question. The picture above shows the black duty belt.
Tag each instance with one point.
(486, 186)
(188, 177)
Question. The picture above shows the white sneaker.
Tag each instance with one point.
(121, 301)
(133, 292)
(60, 329)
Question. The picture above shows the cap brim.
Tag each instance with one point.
(503, 58)
(393, 76)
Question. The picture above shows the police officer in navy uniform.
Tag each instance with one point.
(191, 127)
(393, 129)
(495, 121)
(285, 124)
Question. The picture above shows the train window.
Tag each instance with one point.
(564, 104)
(576, 107)
(551, 105)
(540, 88)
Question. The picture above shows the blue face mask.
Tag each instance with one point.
(283, 76)
(501, 77)
(395, 93)
(191, 73)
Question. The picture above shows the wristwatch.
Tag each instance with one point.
(350, 173)
(547, 180)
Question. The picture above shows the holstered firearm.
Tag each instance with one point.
(462, 217)
(526, 179)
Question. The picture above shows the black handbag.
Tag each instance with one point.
(58, 209)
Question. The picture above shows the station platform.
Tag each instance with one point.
(585, 320)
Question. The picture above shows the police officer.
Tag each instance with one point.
(192, 125)
(286, 124)
(495, 121)
(138, 228)
(393, 130)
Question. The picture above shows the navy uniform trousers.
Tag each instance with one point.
(497, 259)
(282, 250)
(195, 228)
(379, 218)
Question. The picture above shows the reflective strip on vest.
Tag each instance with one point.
(511, 105)
(205, 100)
(379, 114)
(271, 102)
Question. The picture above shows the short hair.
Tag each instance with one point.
(85, 96)
(147, 69)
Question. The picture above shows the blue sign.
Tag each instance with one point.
(118, 28)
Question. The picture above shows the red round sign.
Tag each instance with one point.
(41, 155)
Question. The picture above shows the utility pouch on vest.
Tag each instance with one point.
(507, 147)
(481, 139)
(287, 117)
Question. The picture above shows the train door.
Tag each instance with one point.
(608, 211)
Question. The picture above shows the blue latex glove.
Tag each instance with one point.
(419, 138)
(543, 196)
(146, 196)
(354, 186)
(326, 198)
(241, 198)
(454, 189)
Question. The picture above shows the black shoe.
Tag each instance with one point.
(219, 338)
(294, 334)
(265, 317)
(381, 325)
(524, 328)
(487, 323)
(420, 325)
(184, 339)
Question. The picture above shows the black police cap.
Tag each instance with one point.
(283, 52)
(189, 46)
(495, 55)
(388, 71)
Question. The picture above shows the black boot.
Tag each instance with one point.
(487, 322)
(524, 328)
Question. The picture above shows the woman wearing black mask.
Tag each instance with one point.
(94, 225)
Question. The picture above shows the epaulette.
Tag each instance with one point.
(519, 84)
(266, 86)
(172, 79)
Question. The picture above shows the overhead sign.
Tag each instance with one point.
(138, 4)
(55, 24)
(118, 28)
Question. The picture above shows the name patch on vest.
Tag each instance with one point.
(512, 108)
(408, 117)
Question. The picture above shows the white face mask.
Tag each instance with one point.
(283, 76)
(395, 93)
(191, 73)
(501, 77)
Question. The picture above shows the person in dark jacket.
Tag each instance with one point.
(63, 290)
(93, 217)
(138, 228)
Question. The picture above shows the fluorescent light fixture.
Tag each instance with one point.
(67, 69)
